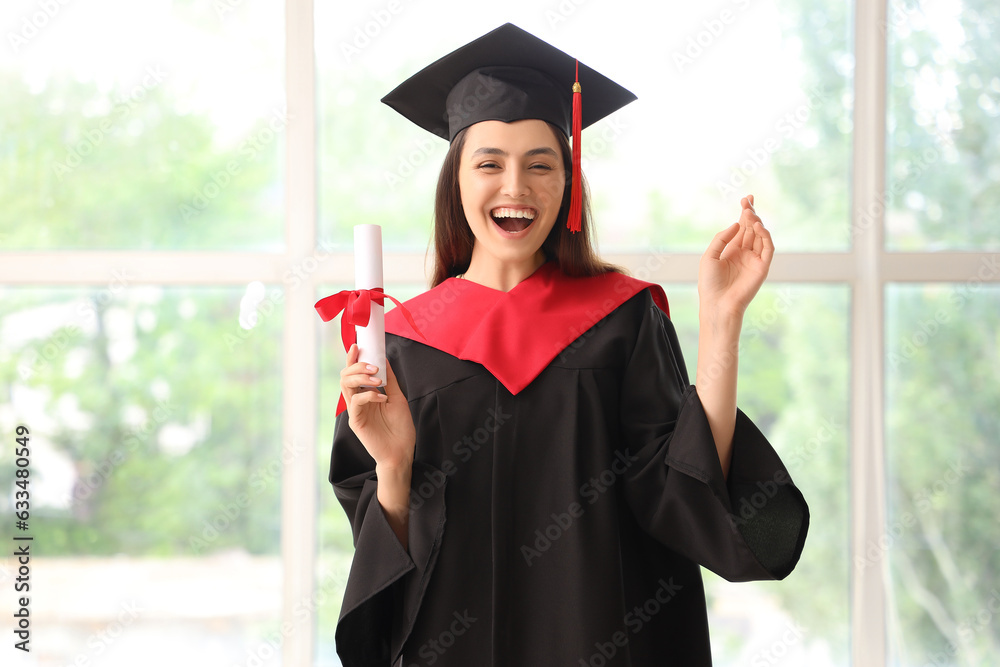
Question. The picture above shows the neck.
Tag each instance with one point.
(503, 276)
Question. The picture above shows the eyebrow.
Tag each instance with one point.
(544, 150)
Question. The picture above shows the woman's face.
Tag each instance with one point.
(511, 177)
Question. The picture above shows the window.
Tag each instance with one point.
(170, 217)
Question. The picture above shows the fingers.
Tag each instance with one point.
(748, 233)
(748, 215)
(721, 240)
(362, 398)
(357, 376)
(752, 227)
(767, 246)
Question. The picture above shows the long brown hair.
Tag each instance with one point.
(453, 239)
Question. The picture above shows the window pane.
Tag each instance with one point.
(155, 470)
(942, 431)
(734, 98)
(943, 162)
(793, 382)
(142, 125)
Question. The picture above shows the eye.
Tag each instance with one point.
(488, 165)
(541, 167)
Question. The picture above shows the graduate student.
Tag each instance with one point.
(540, 482)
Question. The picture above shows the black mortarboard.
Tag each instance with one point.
(509, 74)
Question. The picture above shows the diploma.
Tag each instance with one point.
(368, 275)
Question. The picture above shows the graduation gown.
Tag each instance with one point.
(566, 487)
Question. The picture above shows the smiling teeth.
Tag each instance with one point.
(513, 213)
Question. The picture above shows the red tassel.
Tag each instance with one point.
(573, 221)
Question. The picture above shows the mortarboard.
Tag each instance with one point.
(509, 74)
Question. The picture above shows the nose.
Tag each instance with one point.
(514, 183)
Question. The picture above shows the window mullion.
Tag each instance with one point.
(298, 496)
(868, 583)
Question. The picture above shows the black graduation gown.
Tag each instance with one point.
(562, 523)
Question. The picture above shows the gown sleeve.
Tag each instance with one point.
(386, 582)
(752, 526)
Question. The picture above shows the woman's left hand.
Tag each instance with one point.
(734, 266)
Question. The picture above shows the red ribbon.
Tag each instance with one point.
(357, 308)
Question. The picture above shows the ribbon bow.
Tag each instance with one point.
(357, 308)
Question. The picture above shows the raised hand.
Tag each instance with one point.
(734, 266)
(382, 422)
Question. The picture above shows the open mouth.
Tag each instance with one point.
(513, 220)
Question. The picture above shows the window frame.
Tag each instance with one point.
(867, 268)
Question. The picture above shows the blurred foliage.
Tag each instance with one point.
(943, 164)
(943, 428)
(122, 168)
(166, 413)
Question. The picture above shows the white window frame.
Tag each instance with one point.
(867, 268)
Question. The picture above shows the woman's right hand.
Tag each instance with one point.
(382, 422)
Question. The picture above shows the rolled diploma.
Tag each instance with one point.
(368, 275)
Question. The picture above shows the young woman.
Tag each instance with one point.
(539, 483)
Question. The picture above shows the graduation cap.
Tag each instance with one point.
(509, 74)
